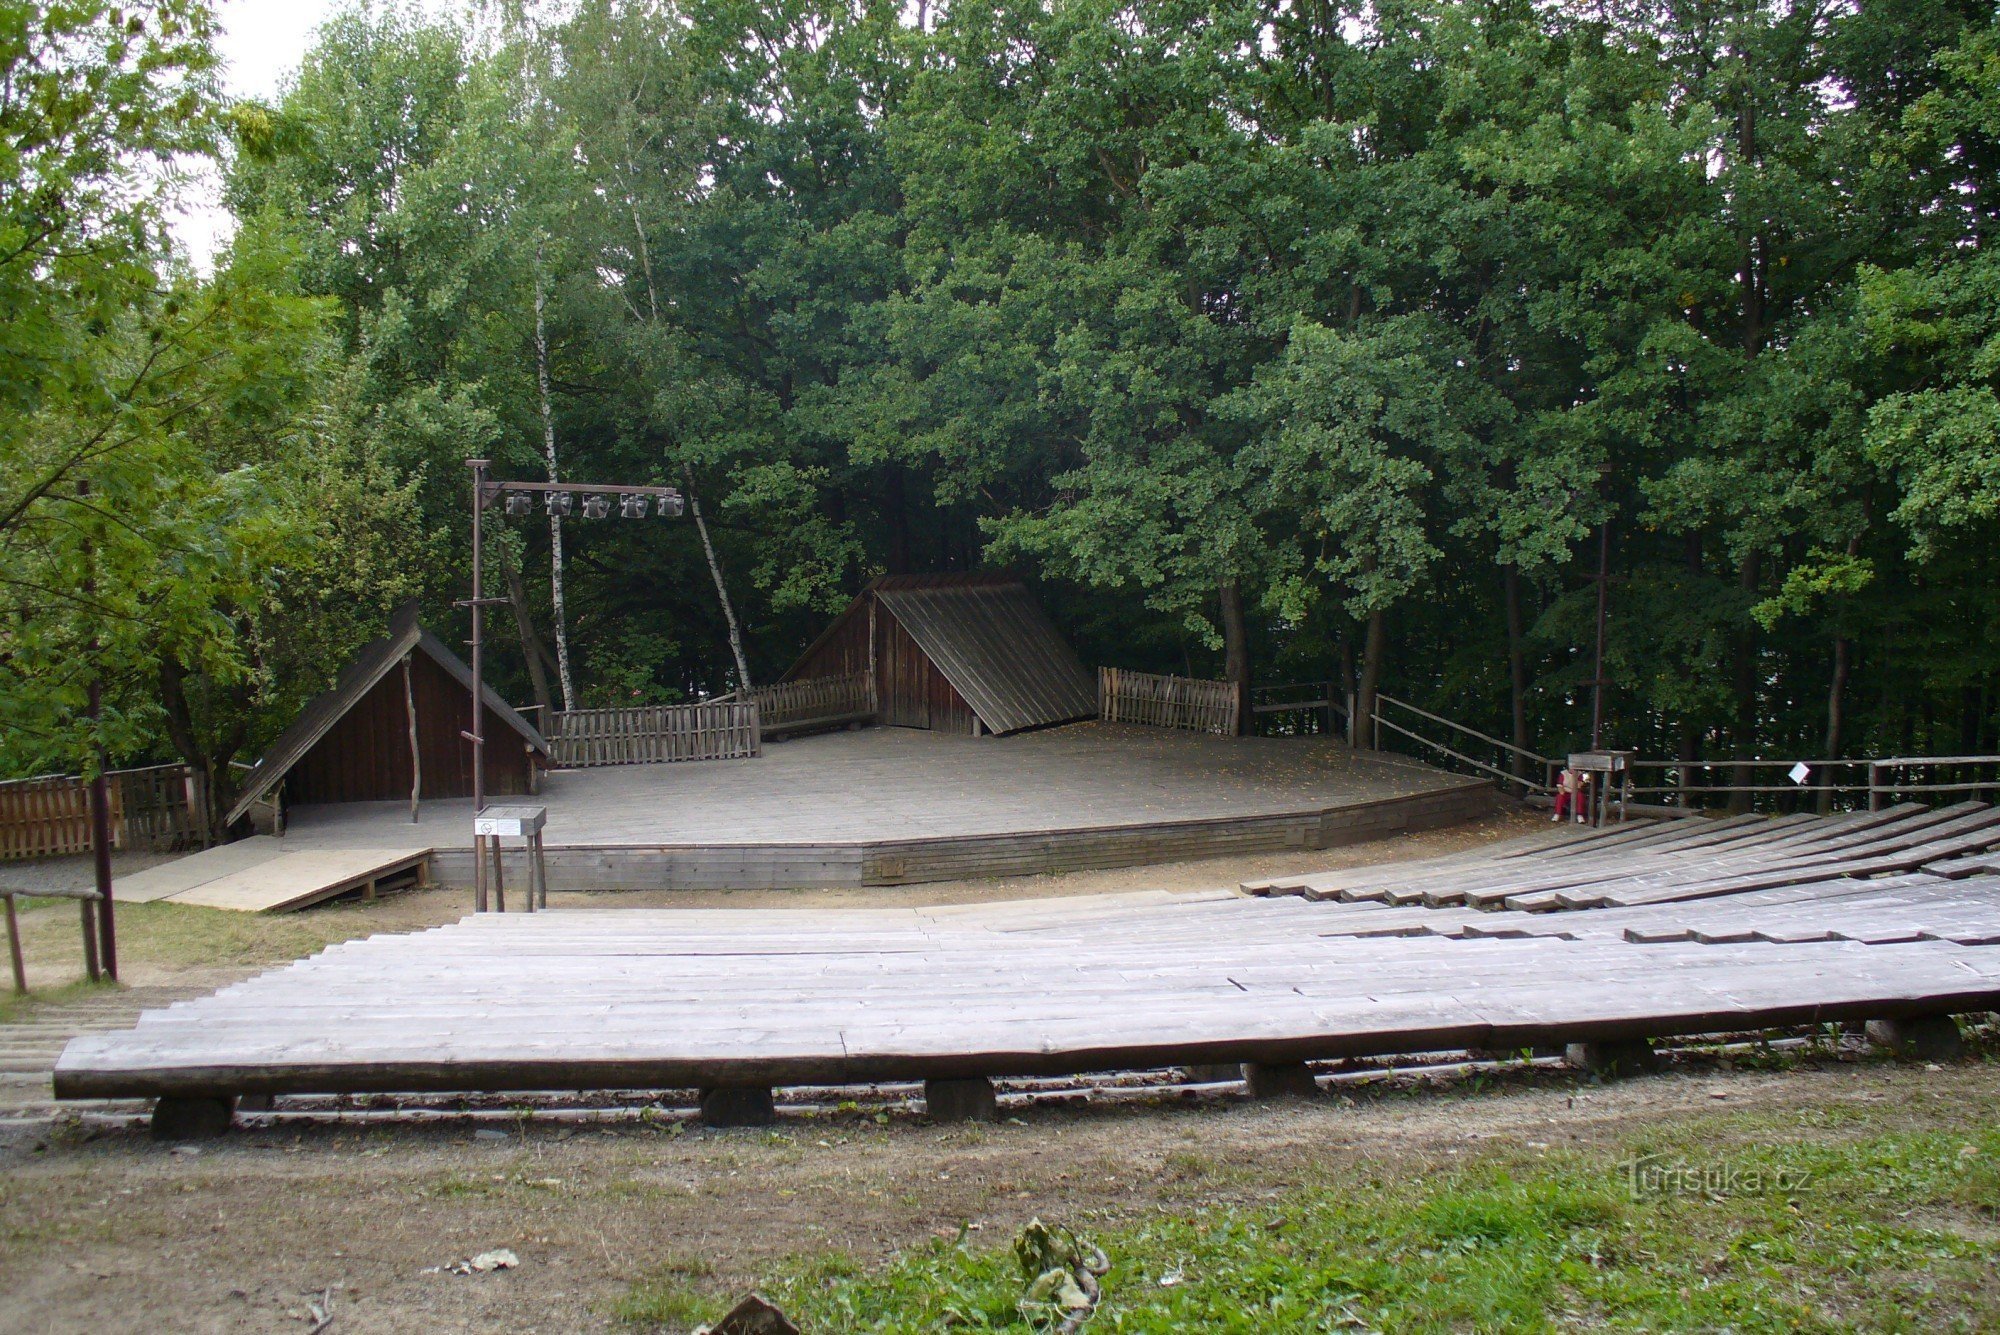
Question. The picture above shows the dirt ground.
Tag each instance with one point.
(103, 1230)
(112, 1233)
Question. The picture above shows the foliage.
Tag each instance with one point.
(1329, 338)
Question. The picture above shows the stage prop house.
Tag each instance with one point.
(392, 729)
(953, 653)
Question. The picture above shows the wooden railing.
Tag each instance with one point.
(158, 807)
(1784, 783)
(1538, 772)
(1301, 708)
(1168, 702)
(654, 734)
(1669, 787)
(815, 700)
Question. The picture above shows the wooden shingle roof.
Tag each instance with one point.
(990, 639)
(370, 665)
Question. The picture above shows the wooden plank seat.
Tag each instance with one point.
(668, 999)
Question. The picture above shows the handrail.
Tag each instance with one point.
(1327, 699)
(1381, 699)
(1461, 757)
(1787, 762)
(1930, 760)
(1827, 778)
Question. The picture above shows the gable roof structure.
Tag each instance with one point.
(991, 640)
(368, 667)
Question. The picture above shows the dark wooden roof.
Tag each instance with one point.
(370, 665)
(990, 638)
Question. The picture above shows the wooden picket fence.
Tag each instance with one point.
(158, 807)
(1168, 702)
(815, 700)
(654, 734)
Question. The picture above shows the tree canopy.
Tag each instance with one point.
(1274, 337)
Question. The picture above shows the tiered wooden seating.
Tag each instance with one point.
(1570, 936)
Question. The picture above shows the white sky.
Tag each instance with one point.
(261, 43)
(264, 40)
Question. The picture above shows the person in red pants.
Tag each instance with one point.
(1569, 786)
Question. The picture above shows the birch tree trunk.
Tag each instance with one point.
(555, 520)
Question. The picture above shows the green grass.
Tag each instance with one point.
(1884, 1232)
(180, 936)
(14, 1006)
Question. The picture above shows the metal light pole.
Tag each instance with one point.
(559, 499)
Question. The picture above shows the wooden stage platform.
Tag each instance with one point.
(1595, 937)
(891, 806)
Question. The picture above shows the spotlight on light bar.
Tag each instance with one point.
(560, 503)
(671, 506)
(596, 507)
(631, 507)
(520, 503)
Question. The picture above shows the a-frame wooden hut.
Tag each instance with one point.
(391, 729)
(954, 653)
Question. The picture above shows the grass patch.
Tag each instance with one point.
(1725, 1224)
(15, 1007)
(678, 1294)
(175, 937)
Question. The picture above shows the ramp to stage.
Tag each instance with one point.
(1793, 927)
(263, 875)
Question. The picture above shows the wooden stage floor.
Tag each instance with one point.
(896, 805)
(1704, 927)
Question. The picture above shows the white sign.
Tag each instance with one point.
(1800, 772)
(503, 821)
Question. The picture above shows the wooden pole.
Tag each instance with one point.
(541, 872)
(476, 736)
(721, 589)
(89, 938)
(1603, 600)
(100, 804)
(416, 755)
(14, 946)
(100, 840)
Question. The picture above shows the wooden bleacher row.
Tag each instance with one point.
(1569, 936)
(1906, 873)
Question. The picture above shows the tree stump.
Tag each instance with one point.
(1291, 1079)
(1931, 1038)
(961, 1100)
(738, 1105)
(1614, 1059)
(181, 1118)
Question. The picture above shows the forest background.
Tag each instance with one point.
(1274, 339)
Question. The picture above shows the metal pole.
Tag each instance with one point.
(1597, 676)
(478, 467)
